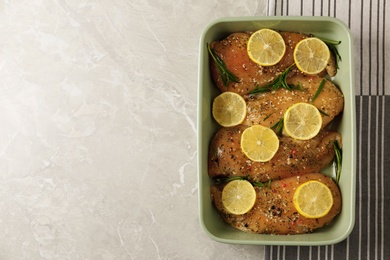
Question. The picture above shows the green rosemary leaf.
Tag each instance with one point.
(226, 75)
(258, 184)
(335, 52)
(278, 126)
(279, 82)
(265, 118)
(332, 47)
(259, 90)
(322, 112)
(319, 89)
(299, 87)
(223, 180)
(262, 184)
(338, 159)
(329, 41)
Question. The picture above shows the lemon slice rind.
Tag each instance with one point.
(259, 143)
(313, 199)
(311, 55)
(229, 109)
(266, 47)
(302, 121)
(238, 197)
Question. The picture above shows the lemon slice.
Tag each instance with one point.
(311, 55)
(259, 143)
(313, 199)
(238, 197)
(229, 109)
(302, 121)
(266, 47)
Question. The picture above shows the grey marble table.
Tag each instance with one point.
(98, 128)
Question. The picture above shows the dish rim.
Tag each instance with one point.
(351, 209)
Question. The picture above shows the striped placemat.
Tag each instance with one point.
(368, 21)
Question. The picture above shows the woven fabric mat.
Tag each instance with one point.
(369, 22)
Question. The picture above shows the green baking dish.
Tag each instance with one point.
(326, 27)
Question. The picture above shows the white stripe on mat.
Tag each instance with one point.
(367, 20)
(377, 137)
(382, 180)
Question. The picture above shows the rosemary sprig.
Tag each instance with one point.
(279, 82)
(262, 184)
(323, 112)
(332, 47)
(258, 184)
(259, 90)
(226, 75)
(278, 126)
(265, 118)
(338, 159)
(233, 178)
(319, 89)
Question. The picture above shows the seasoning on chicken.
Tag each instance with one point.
(274, 211)
(232, 50)
(293, 157)
(268, 108)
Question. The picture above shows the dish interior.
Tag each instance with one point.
(325, 27)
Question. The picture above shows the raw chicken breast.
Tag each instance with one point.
(293, 157)
(274, 211)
